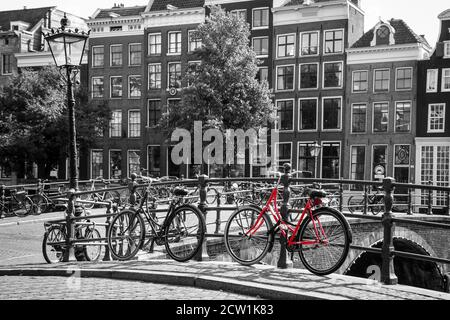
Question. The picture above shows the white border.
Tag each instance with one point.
(317, 114)
(342, 111)
(293, 115)
(351, 117)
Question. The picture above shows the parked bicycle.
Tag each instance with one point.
(54, 242)
(15, 202)
(100, 195)
(375, 202)
(181, 232)
(322, 235)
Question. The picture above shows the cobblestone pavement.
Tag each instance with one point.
(73, 288)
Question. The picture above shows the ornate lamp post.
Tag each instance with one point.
(67, 48)
(315, 151)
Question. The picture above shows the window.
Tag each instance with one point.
(360, 81)
(307, 115)
(380, 117)
(96, 164)
(134, 123)
(154, 44)
(261, 46)
(135, 54)
(432, 80)
(306, 161)
(134, 86)
(285, 78)
(286, 46)
(383, 35)
(174, 43)
(116, 55)
(173, 103)
(260, 18)
(285, 119)
(445, 80)
(447, 49)
(7, 64)
(309, 43)
(134, 162)
(436, 117)
(97, 87)
(174, 76)
(358, 157)
(154, 112)
(435, 165)
(332, 74)
(114, 29)
(381, 80)
(195, 42)
(283, 153)
(309, 74)
(98, 56)
(116, 87)
(403, 117)
(240, 14)
(115, 127)
(359, 118)
(154, 76)
(403, 79)
(263, 74)
(115, 164)
(331, 160)
(332, 113)
(379, 158)
(154, 160)
(334, 41)
(401, 163)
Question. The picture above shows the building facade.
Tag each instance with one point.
(433, 116)
(381, 103)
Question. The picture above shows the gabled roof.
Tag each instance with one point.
(161, 5)
(403, 35)
(120, 12)
(31, 16)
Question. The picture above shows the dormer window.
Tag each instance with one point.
(113, 29)
(383, 35)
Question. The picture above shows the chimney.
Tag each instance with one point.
(24, 7)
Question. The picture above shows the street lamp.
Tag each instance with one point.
(315, 151)
(67, 48)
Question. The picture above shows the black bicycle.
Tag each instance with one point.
(16, 202)
(182, 231)
(375, 202)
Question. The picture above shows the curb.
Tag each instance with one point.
(248, 288)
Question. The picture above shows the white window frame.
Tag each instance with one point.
(168, 74)
(110, 87)
(168, 43)
(189, 41)
(149, 45)
(160, 149)
(321, 156)
(317, 114)
(446, 49)
(350, 159)
(353, 79)
(92, 56)
(300, 76)
(410, 116)
(109, 161)
(92, 87)
(277, 144)
(276, 78)
(293, 115)
(300, 46)
(402, 165)
(148, 110)
(238, 11)
(373, 116)
(121, 125)
(111, 53)
(351, 116)
(128, 160)
(436, 77)
(264, 67)
(129, 87)
(372, 174)
(148, 78)
(429, 130)
(342, 111)
(90, 160)
(374, 73)
(295, 45)
(268, 18)
(268, 46)
(129, 124)
(324, 42)
(2, 66)
(396, 78)
(443, 79)
(323, 75)
(129, 55)
(316, 159)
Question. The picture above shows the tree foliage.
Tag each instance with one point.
(223, 91)
(34, 118)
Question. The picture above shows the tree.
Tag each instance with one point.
(34, 123)
(223, 91)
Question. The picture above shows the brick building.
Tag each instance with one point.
(381, 102)
(433, 115)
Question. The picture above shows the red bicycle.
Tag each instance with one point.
(321, 236)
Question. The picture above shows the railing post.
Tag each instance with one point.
(2, 191)
(409, 202)
(366, 199)
(285, 181)
(107, 256)
(69, 252)
(37, 207)
(430, 200)
(218, 218)
(202, 254)
(341, 196)
(132, 187)
(387, 268)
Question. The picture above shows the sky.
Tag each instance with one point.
(421, 18)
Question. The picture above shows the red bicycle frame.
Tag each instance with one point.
(272, 207)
